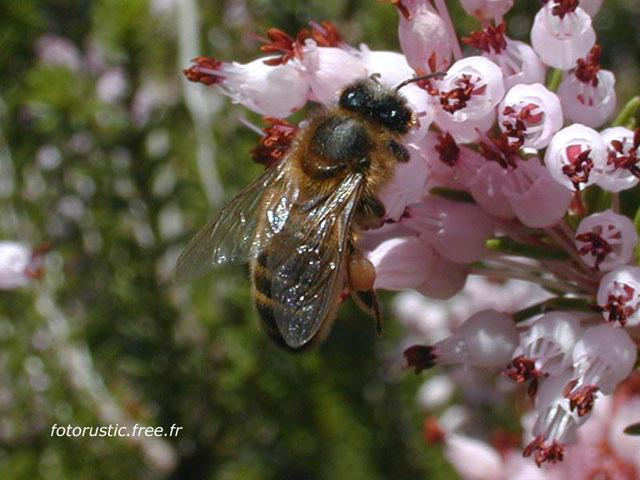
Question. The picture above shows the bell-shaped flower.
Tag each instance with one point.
(487, 339)
(270, 90)
(576, 156)
(458, 231)
(606, 240)
(486, 10)
(19, 264)
(518, 61)
(410, 262)
(424, 37)
(407, 185)
(530, 115)
(588, 93)
(591, 6)
(623, 159)
(467, 97)
(562, 33)
(545, 349)
(602, 358)
(619, 296)
(534, 196)
(555, 424)
(329, 69)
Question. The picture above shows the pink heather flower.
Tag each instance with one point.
(58, 51)
(270, 90)
(458, 231)
(406, 186)
(623, 157)
(402, 263)
(555, 424)
(545, 349)
(486, 10)
(530, 115)
(487, 186)
(487, 339)
(424, 37)
(467, 97)
(329, 69)
(560, 36)
(588, 93)
(409, 262)
(535, 197)
(606, 240)
(112, 85)
(19, 264)
(626, 446)
(472, 458)
(602, 358)
(576, 156)
(591, 6)
(518, 61)
(619, 296)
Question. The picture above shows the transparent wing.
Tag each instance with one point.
(307, 268)
(241, 229)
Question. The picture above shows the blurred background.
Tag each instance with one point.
(110, 155)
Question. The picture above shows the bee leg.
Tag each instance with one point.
(399, 151)
(368, 303)
(362, 275)
(371, 213)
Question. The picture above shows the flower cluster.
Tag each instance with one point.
(508, 178)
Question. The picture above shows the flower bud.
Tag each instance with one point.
(19, 265)
(486, 10)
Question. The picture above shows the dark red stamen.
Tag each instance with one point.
(522, 369)
(581, 399)
(500, 149)
(617, 306)
(563, 7)
(325, 34)
(544, 453)
(491, 38)
(205, 71)
(587, 68)
(457, 98)
(595, 246)
(448, 149)
(420, 357)
(282, 44)
(579, 167)
(274, 145)
(433, 433)
(628, 161)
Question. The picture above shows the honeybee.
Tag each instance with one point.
(298, 225)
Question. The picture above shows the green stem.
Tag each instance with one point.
(554, 80)
(557, 303)
(512, 247)
(628, 112)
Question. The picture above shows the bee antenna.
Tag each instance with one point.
(418, 79)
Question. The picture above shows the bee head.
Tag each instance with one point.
(378, 103)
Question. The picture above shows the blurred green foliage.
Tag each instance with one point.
(114, 184)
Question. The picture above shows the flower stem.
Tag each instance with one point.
(627, 113)
(557, 303)
(554, 79)
(512, 247)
